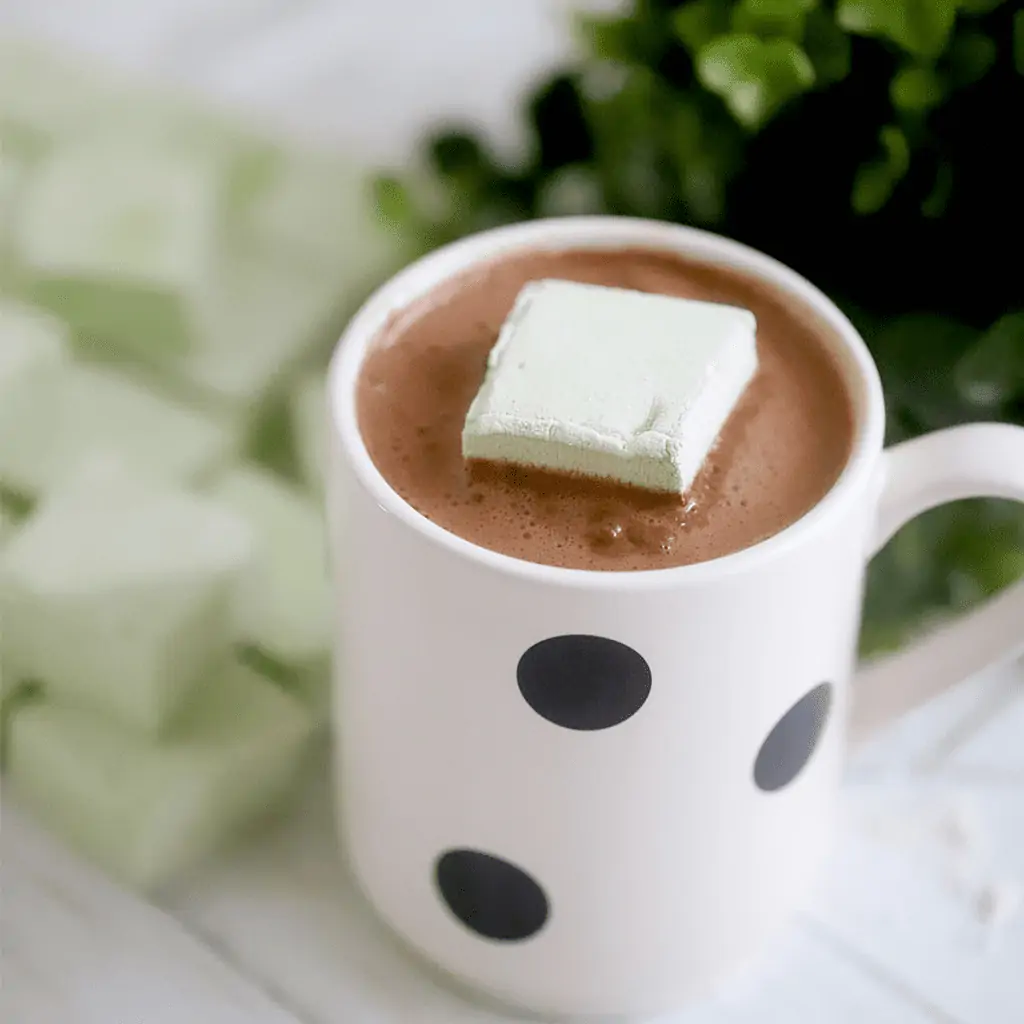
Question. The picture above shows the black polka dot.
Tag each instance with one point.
(791, 743)
(491, 896)
(584, 682)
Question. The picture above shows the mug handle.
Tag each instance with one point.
(981, 460)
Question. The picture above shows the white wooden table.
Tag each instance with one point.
(274, 933)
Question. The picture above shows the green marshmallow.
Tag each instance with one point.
(283, 602)
(120, 239)
(146, 811)
(308, 410)
(90, 409)
(116, 594)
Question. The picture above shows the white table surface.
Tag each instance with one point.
(274, 933)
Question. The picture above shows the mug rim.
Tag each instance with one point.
(441, 264)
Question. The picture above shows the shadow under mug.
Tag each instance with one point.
(621, 863)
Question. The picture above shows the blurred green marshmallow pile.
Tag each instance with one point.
(170, 286)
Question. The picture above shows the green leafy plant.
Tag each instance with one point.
(873, 145)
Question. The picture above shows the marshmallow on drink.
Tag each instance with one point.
(611, 383)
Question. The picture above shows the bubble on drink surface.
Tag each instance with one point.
(651, 537)
(606, 535)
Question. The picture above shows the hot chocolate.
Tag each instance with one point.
(779, 453)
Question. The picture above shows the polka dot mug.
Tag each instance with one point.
(599, 793)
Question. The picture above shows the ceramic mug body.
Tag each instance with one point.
(614, 846)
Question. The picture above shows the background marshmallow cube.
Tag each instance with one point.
(119, 239)
(307, 407)
(116, 594)
(91, 410)
(147, 810)
(34, 353)
(261, 320)
(14, 171)
(283, 601)
(611, 383)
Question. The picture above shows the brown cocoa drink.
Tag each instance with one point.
(779, 453)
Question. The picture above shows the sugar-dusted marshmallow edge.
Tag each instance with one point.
(665, 451)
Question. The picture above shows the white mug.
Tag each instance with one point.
(623, 855)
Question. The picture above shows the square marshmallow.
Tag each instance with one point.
(91, 410)
(611, 383)
(283, 602)
(116, 593)
(119, 240)
(147, 809)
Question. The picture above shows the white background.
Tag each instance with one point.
(367, 74)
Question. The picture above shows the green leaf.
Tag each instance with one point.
(1018, 42)
(686, 128)
(916, 355)
(985, 546)
(904, 580)
(621, 112)
(696, 23)
(557, 115)
(494, 213)
(865, 17)
(876, 180)
(828, 46)
(571, 191)
(703, 190)
(621, 106)
(638, 38)
(999, 567)
(628, 125)
(457, 154)
(978, 6)
(880, 635)
(970, 57)
(991, 373)
(934, 204)
(772, 18)
(610, 38)
(393, 201)
(704, 145)
(900, 425)
(921, 27)
(915, 90)
(863, 321)
(703, 180)
(641, 184)
(754, 77)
